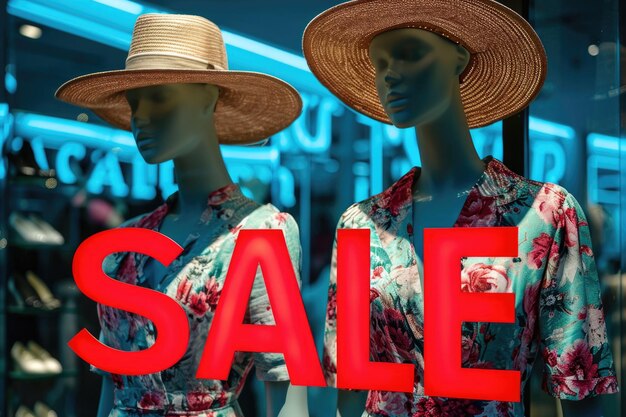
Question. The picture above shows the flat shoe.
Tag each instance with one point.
(52, 365)
(42, 410)
(23, 411)
(26, 361)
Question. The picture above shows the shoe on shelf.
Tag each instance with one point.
(23, 163)
(23, 411)
(42, 410)
(52, 235)
(42, 290)
(28, 231)
(51, 364)
(22, 290)
(25, 361)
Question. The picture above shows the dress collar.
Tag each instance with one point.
(496, 181)
(220, 199)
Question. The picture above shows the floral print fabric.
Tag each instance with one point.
(195, 279)
(558, 306)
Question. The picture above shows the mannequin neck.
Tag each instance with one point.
(198, 173)
(449, 161)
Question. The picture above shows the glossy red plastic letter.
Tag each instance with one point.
(354, 369)
(446, 307)
(289, 335)
(165, 313)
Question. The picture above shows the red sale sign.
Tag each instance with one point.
(445, 308)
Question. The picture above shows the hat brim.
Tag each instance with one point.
(507, 66)
(251, 106)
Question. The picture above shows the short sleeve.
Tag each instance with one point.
(98, 370)
(270, 366)
(573, 335)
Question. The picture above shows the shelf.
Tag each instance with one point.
(37, 246)
(47, 184)
(39, 311)
(24, 376)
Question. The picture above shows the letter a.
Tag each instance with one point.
(291, 334)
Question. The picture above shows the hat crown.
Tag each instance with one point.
(176, 41)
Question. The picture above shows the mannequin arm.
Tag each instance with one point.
(284, 399)
(350, 403)
(106, 397)
(587, 407)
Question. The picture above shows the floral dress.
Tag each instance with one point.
(194, 279)
(557, 295)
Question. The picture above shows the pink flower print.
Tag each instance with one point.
(198, 400)
(213, 292)
(394, 402)
(198, 303)
(550, 357)
(543, 248)
(153, 220)
(151, 400)
(127, 272)
(396, 197)
(480, 277)
(578, 370)
(182, 292)
(569, 220)
(378, 272)
(478, 211)
(219, 196)
(331, 307)
(281, 218)
(548, 203)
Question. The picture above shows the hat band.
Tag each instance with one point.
(168, 60)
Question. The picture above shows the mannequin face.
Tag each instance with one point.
(171, 120)
(416, 74)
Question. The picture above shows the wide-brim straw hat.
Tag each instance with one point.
(172, 49)
(507, 65)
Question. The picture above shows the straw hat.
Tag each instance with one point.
(506, 69)
(173, 48)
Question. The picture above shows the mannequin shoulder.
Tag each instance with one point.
(133, 220)
(269, 216)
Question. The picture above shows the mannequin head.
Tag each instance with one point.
(417, 74)
(171, 120)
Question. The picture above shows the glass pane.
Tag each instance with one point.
(574, 130)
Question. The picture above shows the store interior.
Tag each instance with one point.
(66, 175)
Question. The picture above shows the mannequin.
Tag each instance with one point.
(443, 68)
(175, 122)
(417, 79)
(179, 99)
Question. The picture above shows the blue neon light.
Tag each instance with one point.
(264, 49)
(124, 5)
(550, 128)
(597, 142)
(111, 22)
(6, 125)
(62, 164)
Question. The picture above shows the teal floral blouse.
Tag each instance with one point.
(558, 306)
(195, 279)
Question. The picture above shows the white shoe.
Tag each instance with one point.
(23, 411)
(26, 361)
(42, 410)
(51, 364)
(27, 230)
(52, 235)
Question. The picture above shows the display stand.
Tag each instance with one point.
(50, 329)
